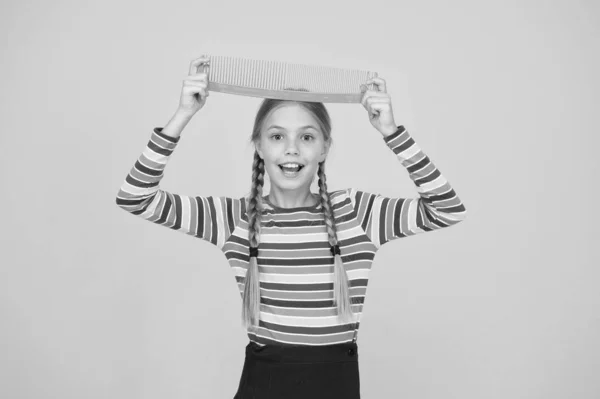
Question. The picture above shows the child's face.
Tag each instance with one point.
(291, 142)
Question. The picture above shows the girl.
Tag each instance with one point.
(301, 260)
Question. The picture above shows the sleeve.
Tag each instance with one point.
(212, 219)
(384, 219)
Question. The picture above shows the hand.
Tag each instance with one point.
(195, 87)
(379, 105)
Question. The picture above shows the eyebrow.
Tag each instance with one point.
(301, 127)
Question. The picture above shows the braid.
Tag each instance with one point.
(251, 299)
(340, 282)
(251, 295)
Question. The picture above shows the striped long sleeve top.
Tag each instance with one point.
(294, 261)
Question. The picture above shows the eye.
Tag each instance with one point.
(306, 135)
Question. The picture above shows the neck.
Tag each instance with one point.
(291, 201)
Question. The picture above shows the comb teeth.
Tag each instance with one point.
(287, 81)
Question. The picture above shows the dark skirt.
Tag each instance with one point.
(294, 372)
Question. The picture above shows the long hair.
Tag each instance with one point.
(254, 211)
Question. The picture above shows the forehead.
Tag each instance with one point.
(291, 116)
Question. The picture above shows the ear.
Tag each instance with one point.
(259, 150)
(325, 152)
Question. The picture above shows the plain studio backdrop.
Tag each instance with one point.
(98, 303)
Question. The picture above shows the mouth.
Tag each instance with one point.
(297, 169)
(291, 172)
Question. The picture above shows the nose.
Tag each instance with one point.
(291, 148)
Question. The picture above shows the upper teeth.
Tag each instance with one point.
(291, 165)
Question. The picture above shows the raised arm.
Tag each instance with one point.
(212, 219)
(384, 219)
(437, 206)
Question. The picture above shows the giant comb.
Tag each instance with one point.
(285, 81)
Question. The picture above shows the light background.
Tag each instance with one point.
(97, 303)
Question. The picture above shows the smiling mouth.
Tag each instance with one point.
(291, 171)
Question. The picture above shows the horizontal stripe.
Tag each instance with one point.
(296, 268)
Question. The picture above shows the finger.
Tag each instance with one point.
(378, 108)
(199, 68)
(190, 88)
(195, 86)
(377, 79)
(373, 112)
(364, 87)
(364, 99)
(204, 59)
(374, 94)
(203, 94)
(197, 77)
(379, 82)
(379, 85)
(378, 100)
(370, 102)
(198, 92)
(378, 103)
(192, 83)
